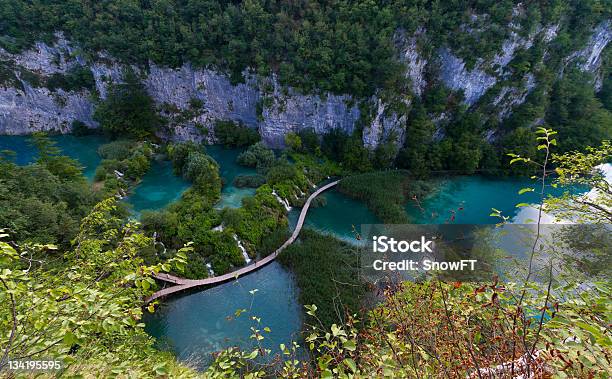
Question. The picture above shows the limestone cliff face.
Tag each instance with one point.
(25, 108)
(287, 110)
(415, 62)
(384, 127)
(291, 111)
(261, 102)
(589, 58)
(474, 83)
(28, 109)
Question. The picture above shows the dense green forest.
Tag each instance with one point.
(44, 202)
(338, 46)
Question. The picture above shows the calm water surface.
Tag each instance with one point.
(470, 199)
(231, 196)
(158, 188)
(341, 216)
(83, 149)
(196, 324)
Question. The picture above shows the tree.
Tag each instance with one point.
(583, 169)
(83, 310)
(257, 155)
(293, 141)
(128, 110)
(576, 113)
(310, 140)
(234, 134)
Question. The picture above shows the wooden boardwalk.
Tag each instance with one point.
(185, 284)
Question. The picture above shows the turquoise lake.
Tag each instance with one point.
(158, 188)
(195, 324)
(83, 149)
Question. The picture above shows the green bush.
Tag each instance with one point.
(120, 149)
(234, 134)
(257, 155)
(76, 78)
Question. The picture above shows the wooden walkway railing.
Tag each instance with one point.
(183, 284)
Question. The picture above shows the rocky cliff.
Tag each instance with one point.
(261, 102)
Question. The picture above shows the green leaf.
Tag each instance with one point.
(523, 190)
(349, 345)
(350, 364)
(252, 355)
(69, 339)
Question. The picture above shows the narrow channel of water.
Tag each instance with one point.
(341, 216)
(229, 169)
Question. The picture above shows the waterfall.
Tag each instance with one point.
(156, 242)
(284, 202)
(211, 273)
(300, 190)
(241, 247)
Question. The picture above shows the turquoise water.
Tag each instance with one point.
(158, 188)
(83, 149)
(341, 216)
(231, 196)
(196, 324)
(470, 199)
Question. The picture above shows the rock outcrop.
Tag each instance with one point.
(589, 58)
(263, 103)
(290, 112)
(415, 63)
(26, 108)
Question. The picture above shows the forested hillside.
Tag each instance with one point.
(338, 46)
(423, 85)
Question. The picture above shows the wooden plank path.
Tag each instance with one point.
(183, 284)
